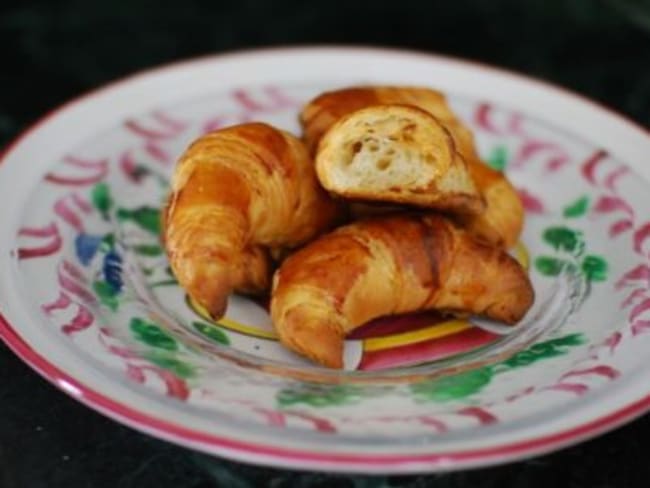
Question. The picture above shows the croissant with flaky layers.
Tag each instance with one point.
(502, 220)
(390, 265)
(399, 154)
(238, 195)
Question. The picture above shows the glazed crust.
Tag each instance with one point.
(398, 154)
(501, 222)
(238, 193)
(385, 266)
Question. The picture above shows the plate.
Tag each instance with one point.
(87, 298)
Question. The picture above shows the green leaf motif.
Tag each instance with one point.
(151, 334)
(563, 238)
(594, 268)
(542, 350)
(157, 284)
(463, 385)
(150, 250)
(108, 242)
(319, 396)
(101, 198)
(107, 295)
(147, 218)
(212, 332)
(577, 208)
(176, 366)
(552, 266)
(453, 387)
(498, 158)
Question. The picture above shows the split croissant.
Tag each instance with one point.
(239, 194)
(391, 265)
(501, 222)
(396, 153)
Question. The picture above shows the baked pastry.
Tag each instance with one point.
(502, 220)
(236, 195)
(390, 265)
(396, 153)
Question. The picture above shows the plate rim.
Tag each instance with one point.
(271, 454)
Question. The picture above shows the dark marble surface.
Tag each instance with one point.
(52, 51)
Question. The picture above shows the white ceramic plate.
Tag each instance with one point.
(87, 299)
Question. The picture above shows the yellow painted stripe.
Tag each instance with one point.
(247, 329)
(233, 324)
(521, 255)
(434, 332)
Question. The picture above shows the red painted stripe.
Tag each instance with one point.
(431, 350)
(386, 326)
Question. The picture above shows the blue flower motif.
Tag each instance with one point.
(86, 246)
(112, 270)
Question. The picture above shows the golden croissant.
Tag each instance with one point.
(396, 153)
(238, 194)
(501, 222)
(385, 266)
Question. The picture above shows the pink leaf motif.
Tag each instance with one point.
(129, 167)
(482, 415)
(63, 210)
(319, 423)
(135, 373)
(639, 309)
(638, 273)
(84, 163)
(619, 227)
(273, 417)
(532, 147)
(276, 100)
(157, 153)
(79, 322)
(612, 178)
(633, 297)
(515, 124)
(61, 303)
(122, 352)
(81, 203)
(525, 392)
(576, 388)
(93, 172)
(640, 235)
(165, 127)
(530, 202)
(588, 168)
(74, 271)
(71, 286)
(640, 326)
(175, 386)
(557, 163)
(607, 204)
(49, 232)
(167, 120)
(613, 341)
(600, 370)
(429, 421)
(482, 118)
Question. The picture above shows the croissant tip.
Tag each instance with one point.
(317, 339)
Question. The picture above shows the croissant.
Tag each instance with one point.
(501, 222)
(237, 195)
(390, 265)
(396, 153)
